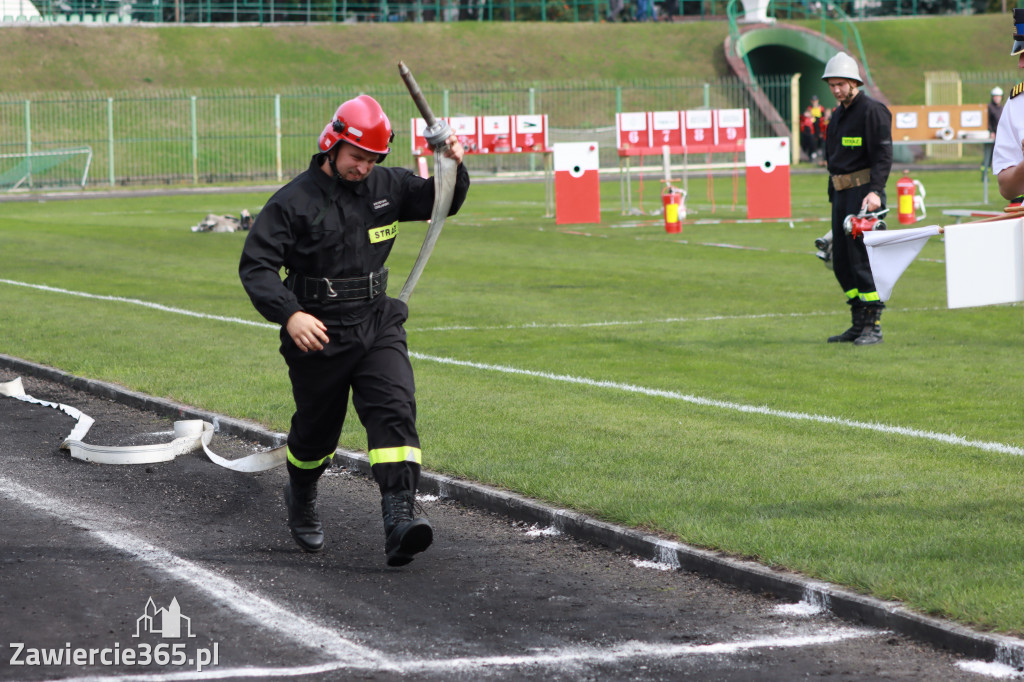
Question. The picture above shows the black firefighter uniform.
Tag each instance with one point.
(858, 150)
(333, 237)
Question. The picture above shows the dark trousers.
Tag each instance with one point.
(849, 255)
(370, 359)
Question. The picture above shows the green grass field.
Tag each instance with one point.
(665, 382)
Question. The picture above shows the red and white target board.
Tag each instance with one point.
(767, 160)
(577, 183)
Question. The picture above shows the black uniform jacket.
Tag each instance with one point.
(319, 226)
(859, 137)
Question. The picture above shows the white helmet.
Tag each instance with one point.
(842, 66)
(997, 91)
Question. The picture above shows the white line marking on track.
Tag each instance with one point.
(946, 438)
(554, 659)
(258, 609)
(345, 653)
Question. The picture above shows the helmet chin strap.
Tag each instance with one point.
(332, 157)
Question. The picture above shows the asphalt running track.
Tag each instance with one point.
(86, 547)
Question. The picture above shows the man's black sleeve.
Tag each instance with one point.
(262, 258)
(878, 134)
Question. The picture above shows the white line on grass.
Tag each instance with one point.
(949, 439)
(135, 301)
(946, 438)
(530, 325)
(628, 323)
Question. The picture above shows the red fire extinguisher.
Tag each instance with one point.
(908, 201)
(673, 200)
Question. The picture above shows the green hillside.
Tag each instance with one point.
(135, 58)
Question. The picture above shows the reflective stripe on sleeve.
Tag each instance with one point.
(405, 453)
(852, 294)
(870, 297)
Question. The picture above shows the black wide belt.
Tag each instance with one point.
(349, 289)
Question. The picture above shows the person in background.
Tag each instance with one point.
(816, 109)
(809, 135)
(331, 229)
(858, 153)
(995, 109)
(821, 130)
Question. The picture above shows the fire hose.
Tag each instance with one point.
(445, 171)
(189, 435)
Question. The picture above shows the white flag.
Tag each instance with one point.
(892, 251)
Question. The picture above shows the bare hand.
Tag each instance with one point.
(307, 332)
(872, 202)
(455, 150)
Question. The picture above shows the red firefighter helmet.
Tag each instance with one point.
(362, 123)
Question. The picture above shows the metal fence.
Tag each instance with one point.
(218, 136)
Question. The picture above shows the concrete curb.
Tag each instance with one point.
(744, 574)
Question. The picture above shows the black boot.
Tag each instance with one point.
(857, 313)
(872, 332)
(405, 535)
(303, 520)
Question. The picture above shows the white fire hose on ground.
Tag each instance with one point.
(189, 435)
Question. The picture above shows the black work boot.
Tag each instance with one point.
(405, 535)
(303, 520)
(857, 313)
(872, 332)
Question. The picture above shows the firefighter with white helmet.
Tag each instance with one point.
(1008, 154)
(331, 229)
(858, 153)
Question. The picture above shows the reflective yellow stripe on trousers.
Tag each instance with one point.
(308, 465)
(404, 453)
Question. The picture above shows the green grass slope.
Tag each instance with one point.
(40, 59)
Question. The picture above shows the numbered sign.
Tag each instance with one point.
(699, 128)
(496, 134)
(530, 133)
(731, 126)
(667, 128)
(466, 129)
(633, 130)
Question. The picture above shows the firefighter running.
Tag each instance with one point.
(332, 228)
(858, 151)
